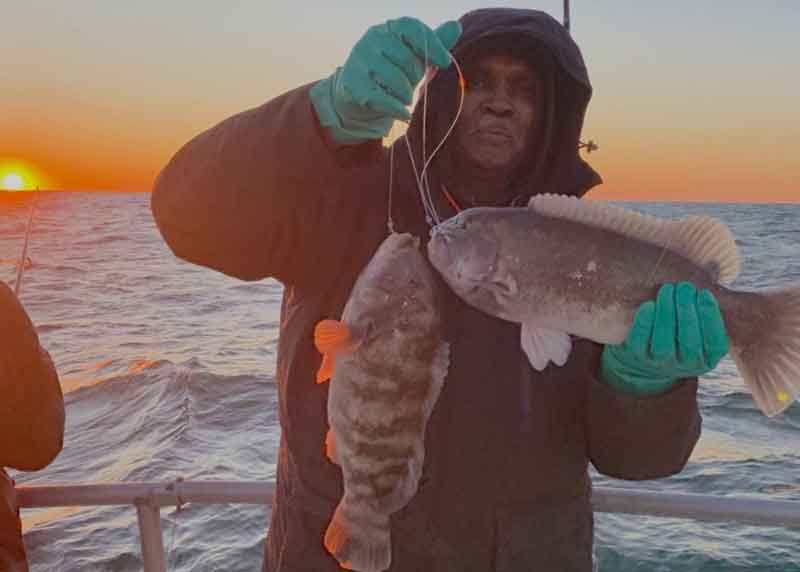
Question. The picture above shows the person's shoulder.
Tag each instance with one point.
(6, 294)
(14, 320)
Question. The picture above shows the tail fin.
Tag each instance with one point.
(364, 545)
(764, 331)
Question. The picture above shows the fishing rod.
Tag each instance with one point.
(566, 14)
(24, 256)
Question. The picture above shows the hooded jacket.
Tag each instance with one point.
(505, 484)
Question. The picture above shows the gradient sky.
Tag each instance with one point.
(694, 100)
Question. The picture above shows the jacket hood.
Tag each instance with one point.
(555, 165)
(535, 25)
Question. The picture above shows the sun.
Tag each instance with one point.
(19, 175)
(12, 182)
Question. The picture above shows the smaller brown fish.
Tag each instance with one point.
(568, 266)
(387, 364)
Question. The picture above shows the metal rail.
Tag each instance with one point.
(148, 497)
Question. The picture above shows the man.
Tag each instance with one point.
(297, 189)
(31, 417)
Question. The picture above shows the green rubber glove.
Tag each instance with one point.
(680, 335)
(361, 100)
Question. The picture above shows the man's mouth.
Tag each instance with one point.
(495, 133)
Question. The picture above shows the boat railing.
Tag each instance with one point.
(149, 497)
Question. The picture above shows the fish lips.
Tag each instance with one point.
(463, 261)
(444, 254)
(473, 268)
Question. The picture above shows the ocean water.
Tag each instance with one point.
(168, 371)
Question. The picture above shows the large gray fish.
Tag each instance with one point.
(388, 364)
(567, 266)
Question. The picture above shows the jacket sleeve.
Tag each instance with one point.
(262, 194)
(32, 405)
(641, 437)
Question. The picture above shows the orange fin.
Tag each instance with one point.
(325, 371)
(330, 335)
(330, 446)
(358, 545)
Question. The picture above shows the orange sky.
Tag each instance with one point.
(684, 108)
(636, 164)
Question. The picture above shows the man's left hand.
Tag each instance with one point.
(680, 334)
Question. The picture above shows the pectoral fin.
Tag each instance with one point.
(330, 336)
(325, 371)
(543, 345)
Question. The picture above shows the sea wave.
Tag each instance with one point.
(168, 372)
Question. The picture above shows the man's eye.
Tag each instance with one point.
(477, 82)
(527, 88)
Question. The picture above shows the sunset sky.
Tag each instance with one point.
(694, 100)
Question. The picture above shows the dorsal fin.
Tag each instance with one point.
(704, 240)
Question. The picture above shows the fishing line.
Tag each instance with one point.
(389, 220)
(423, 177)
(423, 181)
(23, 257)
(423, 186)
(462, 87)
(431, 216)
(425, 83)
(427, 162)
(420, 176)
(666, 246)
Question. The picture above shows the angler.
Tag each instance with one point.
(298, 189)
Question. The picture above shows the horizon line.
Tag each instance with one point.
(588, 197)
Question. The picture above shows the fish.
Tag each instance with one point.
(386, 361)
(564, 267)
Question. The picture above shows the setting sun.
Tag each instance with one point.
(18, 175)
(12, 182)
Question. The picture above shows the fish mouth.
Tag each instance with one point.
(442, 233)
(449, 226)
(403, 240)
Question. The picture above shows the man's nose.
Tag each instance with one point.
(498, 101)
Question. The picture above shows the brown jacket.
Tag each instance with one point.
(12, 550)
(31, 416)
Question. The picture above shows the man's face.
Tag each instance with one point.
(499, 111)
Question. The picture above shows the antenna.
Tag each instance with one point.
(590, 145)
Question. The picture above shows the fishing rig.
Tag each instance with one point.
(420, 175)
